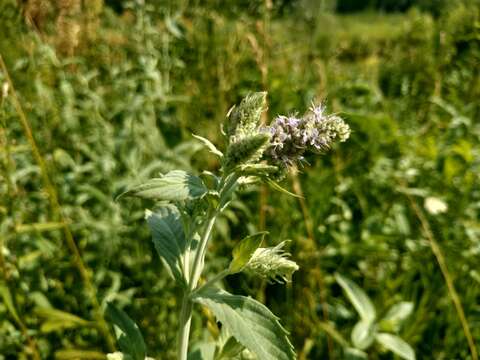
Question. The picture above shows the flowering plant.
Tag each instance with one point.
(189, 206)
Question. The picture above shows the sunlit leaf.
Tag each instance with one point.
(128, 334)
(250, 322)
(244, 250)
(358, 298)
(176, 185)
(396, 345)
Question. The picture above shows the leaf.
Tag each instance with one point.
(358, 298)
(176, 185)
(213, 149)
(397, 314)
(231, 349)
(8, 300)
(363, 334)
(355, 354)
(128, 335)
(74, 354)
(277, 187)
(396, 345)
(250, 322)
(59, 320)
(244, 250)
(169, 238)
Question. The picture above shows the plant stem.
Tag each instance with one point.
(186, 311)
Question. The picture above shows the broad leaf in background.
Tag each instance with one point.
(355, 354)
(244, 250)
(396, 345)
(363, 334)
(169, 238)
(176, 185)
(396, 315)
(250, 322)
(128, 335)
(358, 298)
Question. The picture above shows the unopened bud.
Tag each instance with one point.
(272, 263)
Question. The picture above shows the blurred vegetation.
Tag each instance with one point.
(112, 92)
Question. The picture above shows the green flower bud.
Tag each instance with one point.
(246, 150)
(272, 263)
(244, 119)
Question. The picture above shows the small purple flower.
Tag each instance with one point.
(291, 136)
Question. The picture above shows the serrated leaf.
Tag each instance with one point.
(128, 334)
(176, 185)
(212, 148)
(396, 345)
(244, 250)
(359, 299)
(363, 334)
(250, 322)
(169, 238)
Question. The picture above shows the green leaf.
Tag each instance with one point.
(358, 298)
(277, 187)
(231, 349)
(363, 334)
(396, 315)
(169, 238)
(250, 322)
(176, 185)
(396, 345)
(244, 250)
(212, 148)
(8, 300)
(355, 354)
(128, 335)
(73, 354)
(59, 320)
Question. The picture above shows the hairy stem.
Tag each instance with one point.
(186, 311)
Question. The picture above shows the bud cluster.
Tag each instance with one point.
(272, 263)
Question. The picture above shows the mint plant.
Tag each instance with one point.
(189, 206)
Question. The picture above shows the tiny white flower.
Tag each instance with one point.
(115, 356)
(435, 205)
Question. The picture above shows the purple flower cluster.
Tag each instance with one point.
(292, 136)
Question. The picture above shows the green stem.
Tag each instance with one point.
(186, 311)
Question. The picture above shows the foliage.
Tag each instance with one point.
(119, 108)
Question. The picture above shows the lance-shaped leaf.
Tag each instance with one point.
(176, 185)
(358, 298)
(244, 250)
(212, 148)
(169, 238)
(129, 337)
(396, 345)
(250, 322)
